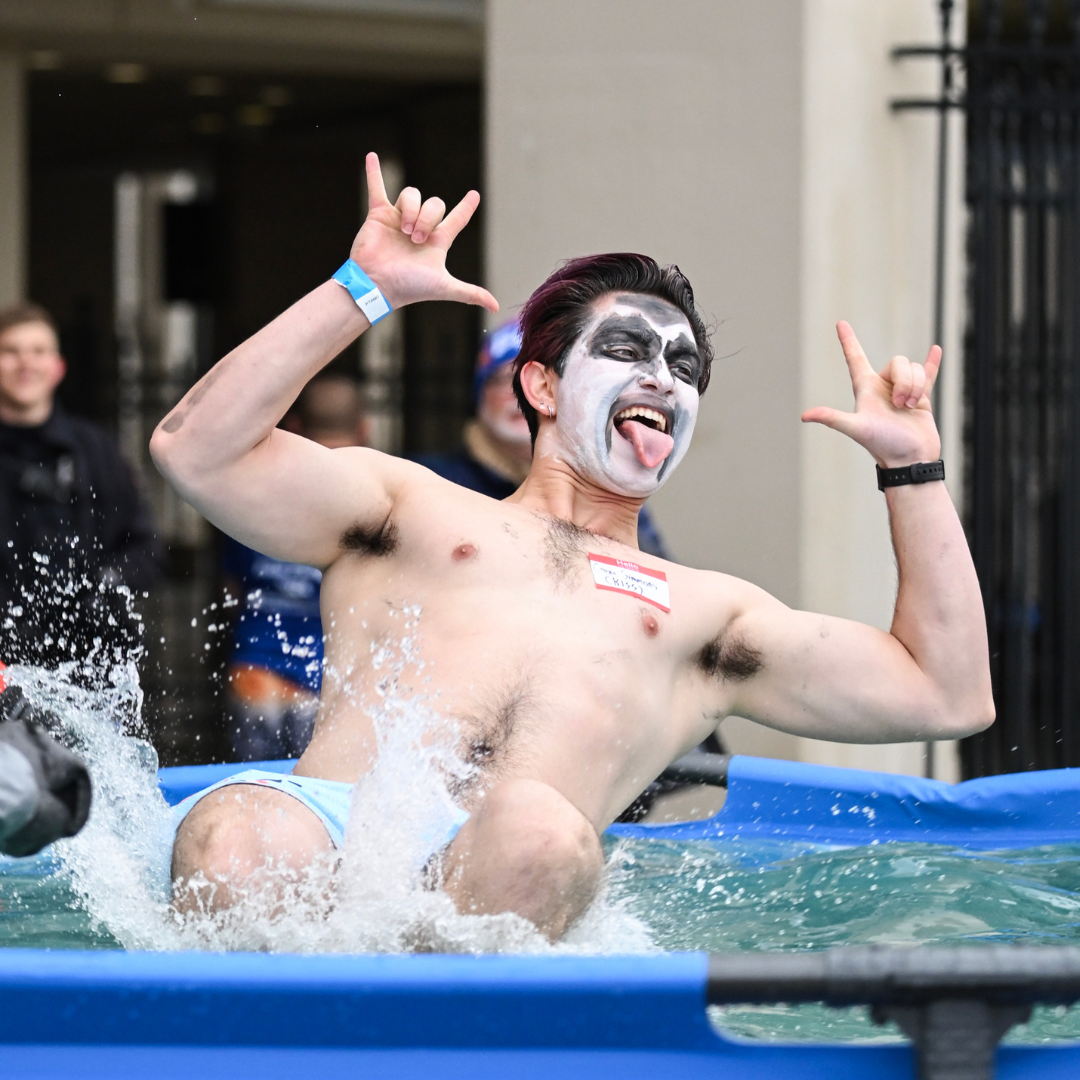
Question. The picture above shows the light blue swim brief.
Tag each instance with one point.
(328, 800)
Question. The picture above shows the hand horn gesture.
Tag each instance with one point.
(402, 247)
(892, 416)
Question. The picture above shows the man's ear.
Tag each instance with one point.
(60, 372)
(538, 385)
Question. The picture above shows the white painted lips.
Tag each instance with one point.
(639, 412)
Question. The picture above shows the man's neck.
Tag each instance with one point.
(554, 488)
(25, 415)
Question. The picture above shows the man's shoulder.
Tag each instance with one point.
(713, 594)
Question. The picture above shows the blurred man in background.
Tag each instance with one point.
(275, 670)
(74, 531)
(497, 448)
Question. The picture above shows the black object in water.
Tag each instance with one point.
(44, 788)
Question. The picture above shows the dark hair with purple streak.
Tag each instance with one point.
(555, 315)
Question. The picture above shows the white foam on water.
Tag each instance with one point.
(374, 896)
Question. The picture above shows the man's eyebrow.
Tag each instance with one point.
(681, 346)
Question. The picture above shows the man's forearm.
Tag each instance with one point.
(244, 396)
(939, 615)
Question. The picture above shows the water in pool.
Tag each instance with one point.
(108, 887)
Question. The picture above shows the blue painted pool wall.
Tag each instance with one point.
(795, 801)
(206, 1015)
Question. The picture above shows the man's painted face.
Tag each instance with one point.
(628, 398)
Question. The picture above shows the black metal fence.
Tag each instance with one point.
(1023, 374)
(1018, 82)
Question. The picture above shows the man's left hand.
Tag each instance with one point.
(892, 416)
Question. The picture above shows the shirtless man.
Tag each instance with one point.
(573, 678)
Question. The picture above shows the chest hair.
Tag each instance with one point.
(493, 730)
(564, 545)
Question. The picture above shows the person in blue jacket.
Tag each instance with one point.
(275, 668)
(497, 448)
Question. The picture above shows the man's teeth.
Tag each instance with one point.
(634, 411)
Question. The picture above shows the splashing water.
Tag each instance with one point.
(109, 887)
(374, 896)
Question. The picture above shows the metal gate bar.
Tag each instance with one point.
(1022, 350)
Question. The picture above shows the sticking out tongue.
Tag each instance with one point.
(650, 445)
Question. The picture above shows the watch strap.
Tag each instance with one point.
(922, 472)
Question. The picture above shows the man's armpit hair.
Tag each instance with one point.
(730, 657)
(366, 540)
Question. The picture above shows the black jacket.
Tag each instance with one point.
(72, 530)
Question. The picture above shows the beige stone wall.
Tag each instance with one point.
(12, 179)
(752, 144)
(671, 129)
(867, 256)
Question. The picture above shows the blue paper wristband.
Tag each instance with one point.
(364, 291)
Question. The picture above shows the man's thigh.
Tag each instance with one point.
(240, 835)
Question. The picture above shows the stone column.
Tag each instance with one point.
(13, 210)
(671, 129)
(867, 257)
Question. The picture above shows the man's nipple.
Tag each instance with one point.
(463, 552)
(649, 623)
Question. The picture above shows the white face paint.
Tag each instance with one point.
(636, 357)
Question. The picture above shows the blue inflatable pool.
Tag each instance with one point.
(207, 1015)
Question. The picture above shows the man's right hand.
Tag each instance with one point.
(221, 448)
(402, 247)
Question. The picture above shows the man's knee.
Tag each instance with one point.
(526, 849)
(541, 829)
(212, 838)
(236, 836)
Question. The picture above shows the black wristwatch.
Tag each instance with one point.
(922, 472)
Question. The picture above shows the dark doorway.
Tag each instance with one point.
(250, 188)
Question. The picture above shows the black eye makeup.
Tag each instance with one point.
(625, 337)
(683, 360)
(631, 339)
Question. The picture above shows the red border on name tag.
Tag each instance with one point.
(626, 564)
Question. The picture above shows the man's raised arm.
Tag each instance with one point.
(929, 676)
(221, 448)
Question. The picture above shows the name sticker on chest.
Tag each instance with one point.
(623, 576)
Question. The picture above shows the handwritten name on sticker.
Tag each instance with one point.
(623, 576)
